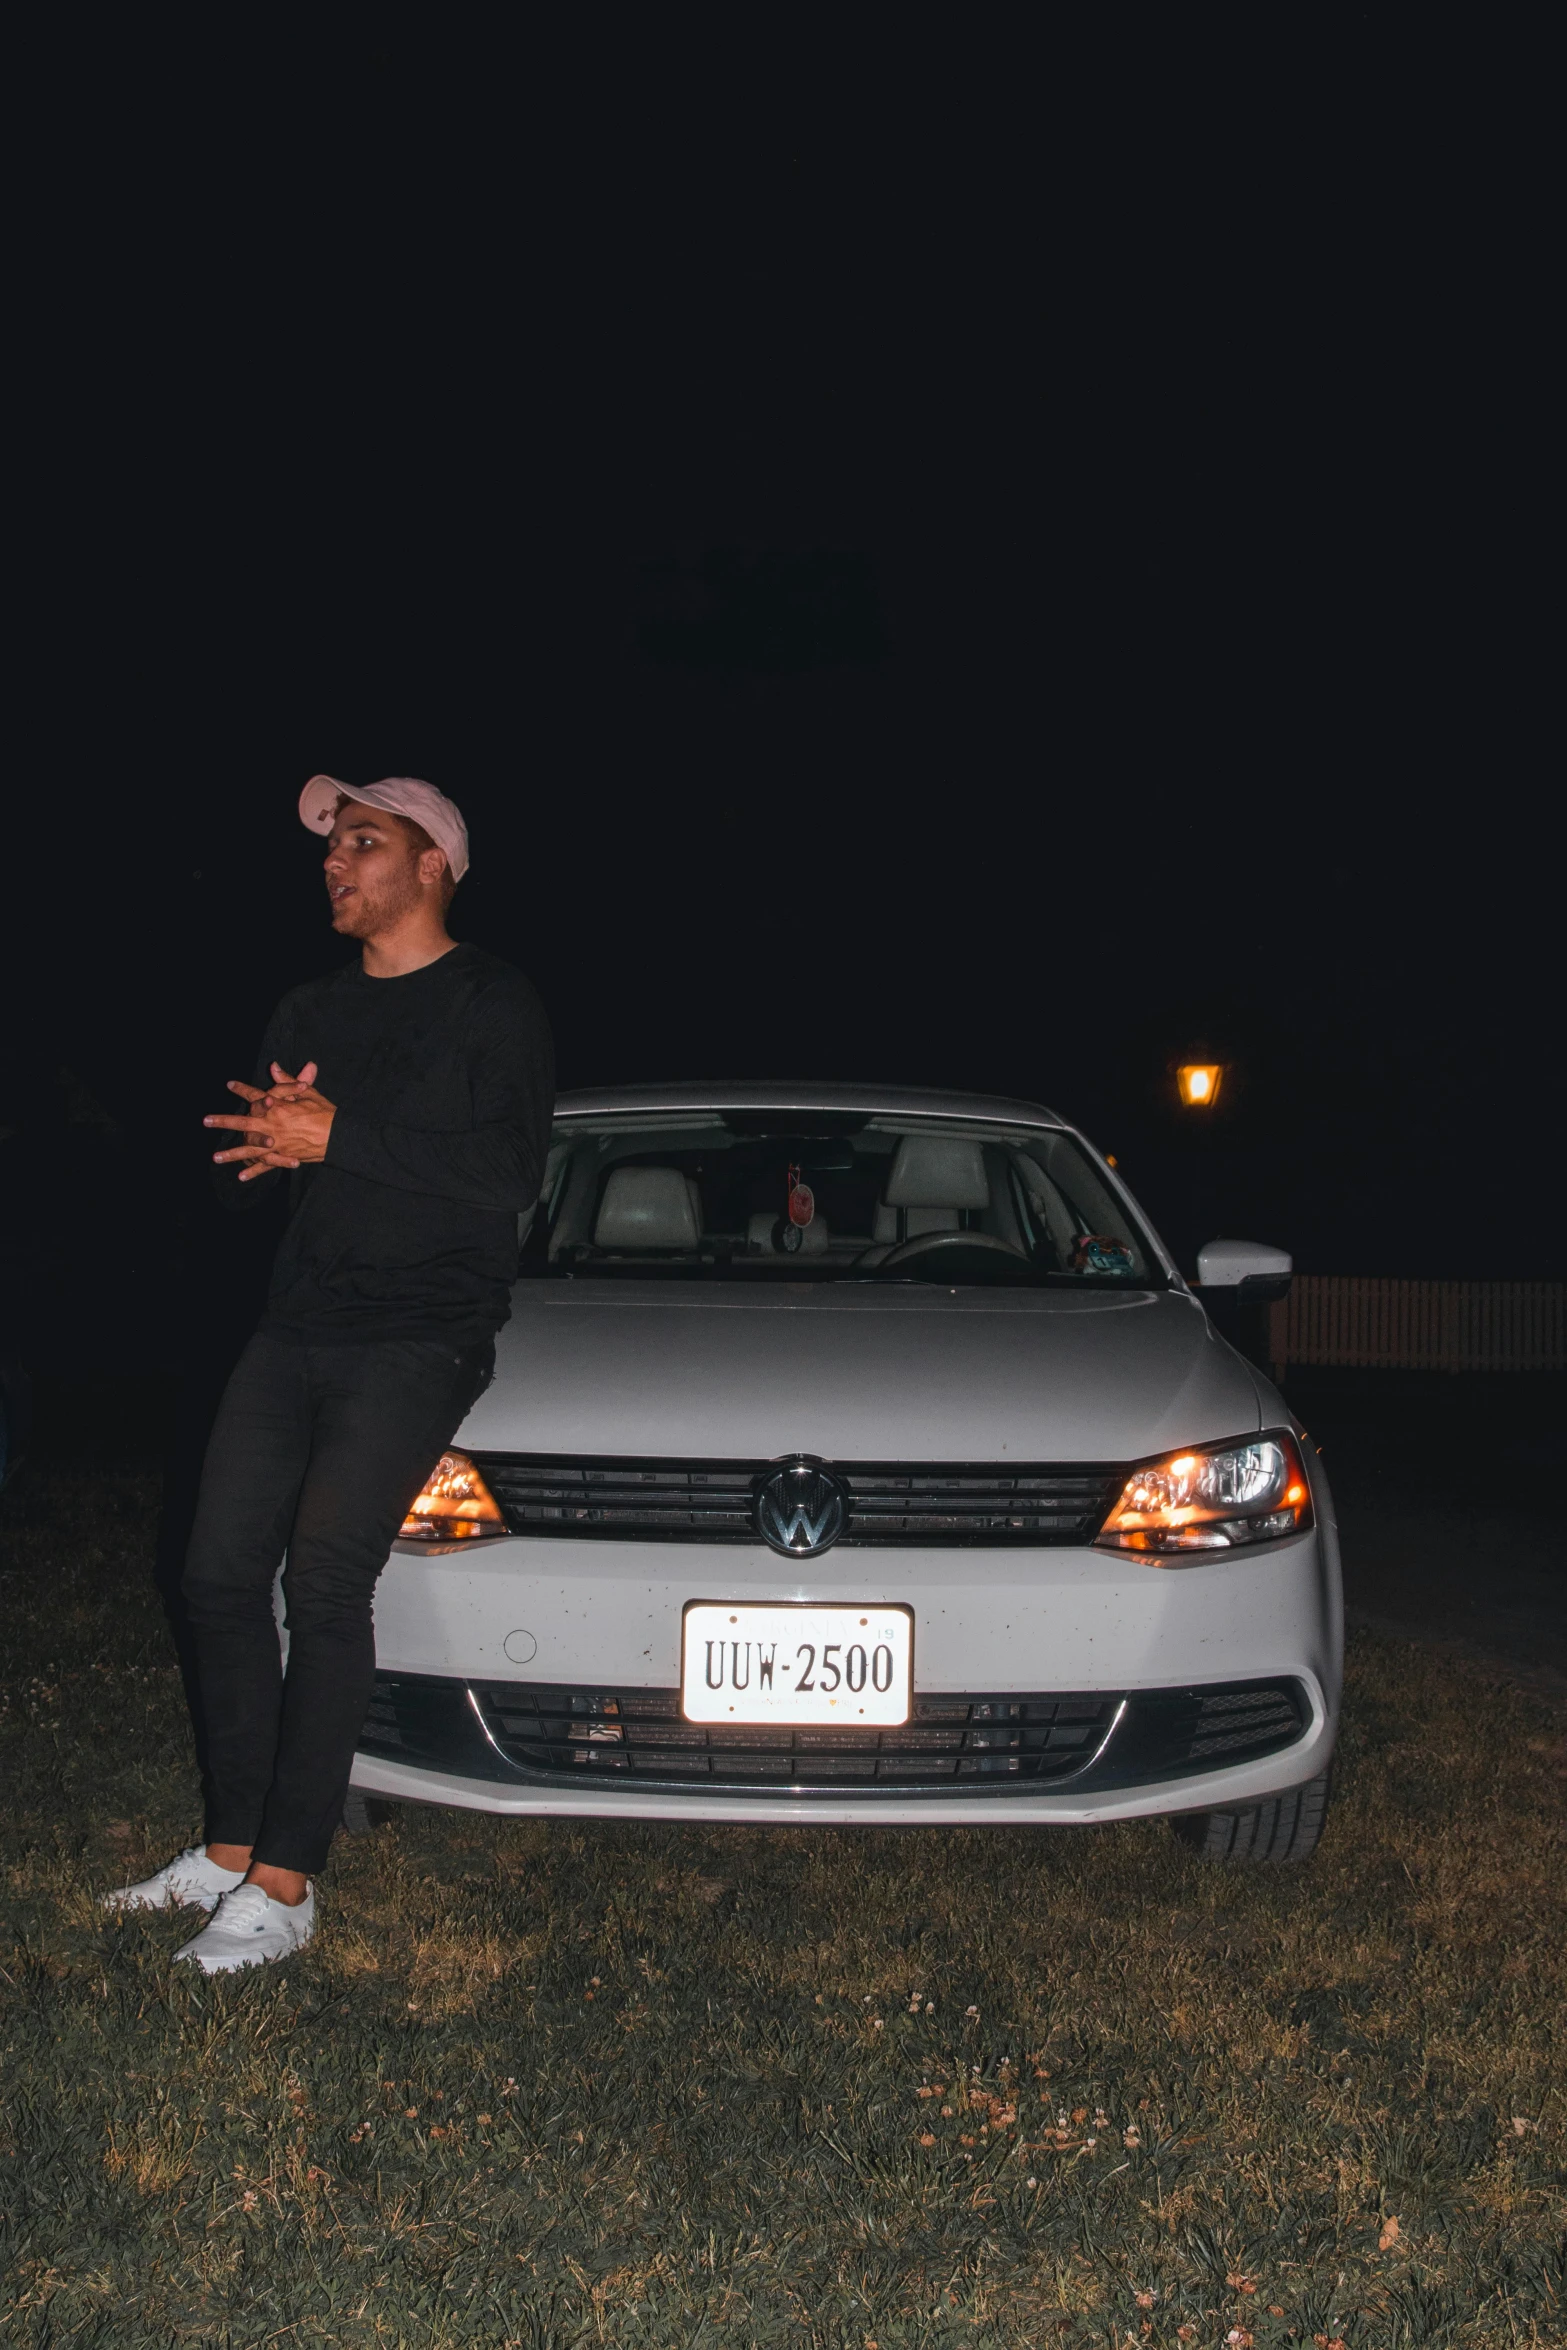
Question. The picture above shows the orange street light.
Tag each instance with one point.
(1199, 1082)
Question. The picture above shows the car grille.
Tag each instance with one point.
(538, 1731)
(714, 1501)
(1240, 1721)
(642, 1731)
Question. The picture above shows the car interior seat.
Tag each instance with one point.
(815, 1236)
(934, 1178)
(649, 1207)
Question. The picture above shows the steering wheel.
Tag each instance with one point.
(932, 1244)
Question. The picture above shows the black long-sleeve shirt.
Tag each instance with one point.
(443, 1081)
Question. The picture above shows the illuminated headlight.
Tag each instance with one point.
(456, 1506)
(1212, 1500)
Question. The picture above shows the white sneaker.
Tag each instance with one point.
(189, 1880)
(248, 1928)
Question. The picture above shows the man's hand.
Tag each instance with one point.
(287, 1126)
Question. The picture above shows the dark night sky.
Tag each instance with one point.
(935, 572)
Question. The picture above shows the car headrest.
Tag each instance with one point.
(648, 1207)
(937, 1171)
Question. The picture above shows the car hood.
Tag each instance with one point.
(853, 1371)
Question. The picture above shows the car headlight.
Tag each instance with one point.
(1211, 1499)
(455, 1506)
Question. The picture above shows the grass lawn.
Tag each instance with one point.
(544, 2085)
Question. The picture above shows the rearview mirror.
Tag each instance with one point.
(1247, 1266)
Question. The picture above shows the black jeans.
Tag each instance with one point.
(318, 1450)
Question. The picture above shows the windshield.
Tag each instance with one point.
(803, 1196)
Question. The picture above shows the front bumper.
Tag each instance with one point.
(542, 1611)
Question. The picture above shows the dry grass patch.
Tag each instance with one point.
(153, 2151)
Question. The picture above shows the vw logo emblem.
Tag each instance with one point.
(800, 1509)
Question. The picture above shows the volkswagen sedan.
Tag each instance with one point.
(858, 1455)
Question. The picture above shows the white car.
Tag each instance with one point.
(859, 1455)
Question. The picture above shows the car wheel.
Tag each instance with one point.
(363, 1813)
(1285, 1829)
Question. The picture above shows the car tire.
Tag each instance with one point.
(1287, 1829)
(363, 1814)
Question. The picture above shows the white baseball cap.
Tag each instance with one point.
(399, 795)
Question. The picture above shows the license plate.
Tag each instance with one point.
(852, 1666)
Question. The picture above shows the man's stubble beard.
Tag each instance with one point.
(369, 914)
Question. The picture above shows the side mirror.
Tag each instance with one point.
(1247, 1267)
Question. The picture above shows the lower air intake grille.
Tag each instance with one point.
(526, 1730)
(1241, 1721)
(714, 1501)
(641, 1731)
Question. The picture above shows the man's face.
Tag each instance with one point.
(372, 871)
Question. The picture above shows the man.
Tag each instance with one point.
(408, 1098)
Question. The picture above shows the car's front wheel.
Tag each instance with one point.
(1287, 1828)
(363, 1813)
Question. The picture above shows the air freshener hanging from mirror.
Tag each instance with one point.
(802, 1207)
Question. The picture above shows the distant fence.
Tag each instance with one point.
(1370, 1324)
